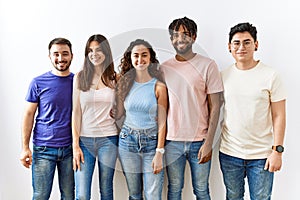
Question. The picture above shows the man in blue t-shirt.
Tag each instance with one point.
(50, 94)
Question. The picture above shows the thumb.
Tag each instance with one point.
(266, 165)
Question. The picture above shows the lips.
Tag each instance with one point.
(181, 45)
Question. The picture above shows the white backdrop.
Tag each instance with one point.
(28, 26)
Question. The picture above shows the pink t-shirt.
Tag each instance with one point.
(188, 84)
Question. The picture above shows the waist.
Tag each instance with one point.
(146, 131)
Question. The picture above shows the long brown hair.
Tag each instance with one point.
(85, 76)
(128, 73)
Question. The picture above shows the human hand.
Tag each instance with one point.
(26, 157)
(273, 162)
(157, 163)
(113, 113)
(77, 158)
(204, 154)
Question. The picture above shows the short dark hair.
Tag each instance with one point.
(243, 27)
(187, 23)
(60, 41)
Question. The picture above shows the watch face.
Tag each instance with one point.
(279, 149)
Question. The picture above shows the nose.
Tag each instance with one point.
(140, 59)
(181, 36)
(242, 45)
(60, 57)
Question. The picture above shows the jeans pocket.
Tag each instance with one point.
(123, 134)
(39, 149)
(152, 136)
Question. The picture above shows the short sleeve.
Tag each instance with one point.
(214, 80)
(32, 94)
(278, 91)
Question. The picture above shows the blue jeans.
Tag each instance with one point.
(44, 162)
(136, 152)
(235, 170)
(177, 153)
(105, 149)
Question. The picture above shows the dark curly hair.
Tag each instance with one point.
(128, 73)
(188, 24)
(86, 74)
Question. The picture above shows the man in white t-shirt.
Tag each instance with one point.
(194, 88)
(254, 119)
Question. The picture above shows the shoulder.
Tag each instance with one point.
(167, 63)
(160, 87)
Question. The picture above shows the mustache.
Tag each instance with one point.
(62, 62)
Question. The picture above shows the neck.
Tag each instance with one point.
(61, 73)
(98, 70)
(142, 76)
(246, 65)
(185, 57)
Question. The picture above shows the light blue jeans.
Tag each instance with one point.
(177, 153)
(235, 170)
(105, 149)
(136, 152)
(44, 162)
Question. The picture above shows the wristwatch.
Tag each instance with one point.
(278, 148)
(160, 150)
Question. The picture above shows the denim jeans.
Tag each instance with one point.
(235, 170)
(136, 152)
(105, 150)
(177, 153)
(44, 162)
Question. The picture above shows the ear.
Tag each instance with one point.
(256, 45)
(229, 47)
(194, 37)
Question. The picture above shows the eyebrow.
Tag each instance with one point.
(242, 41)
(55, 52)
(145, 52)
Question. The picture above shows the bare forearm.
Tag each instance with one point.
(215, 103)
(279, 121)
(26, 131)
(27, 123)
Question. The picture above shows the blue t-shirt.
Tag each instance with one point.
(53, 120)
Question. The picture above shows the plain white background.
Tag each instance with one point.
(28, 26)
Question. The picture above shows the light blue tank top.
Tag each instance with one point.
(141, 105)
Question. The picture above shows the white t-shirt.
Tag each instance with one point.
(247, 125)
(188, 84)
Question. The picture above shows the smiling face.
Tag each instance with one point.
(61, 58)
(182, 41)
(242, 46)
(140, 57)
(95, 53)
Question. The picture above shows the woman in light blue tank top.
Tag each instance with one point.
(141, 97)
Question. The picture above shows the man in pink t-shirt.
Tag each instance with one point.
(195, 89)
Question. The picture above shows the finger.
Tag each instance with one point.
(78, 164)
(25, 162)
(74, 164)
(199, 155)
(266, 166)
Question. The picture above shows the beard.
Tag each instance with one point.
(65, 68)
(185, 50)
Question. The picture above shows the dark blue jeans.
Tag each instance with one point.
(235, 170)
(177, 154)
(44, 162)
